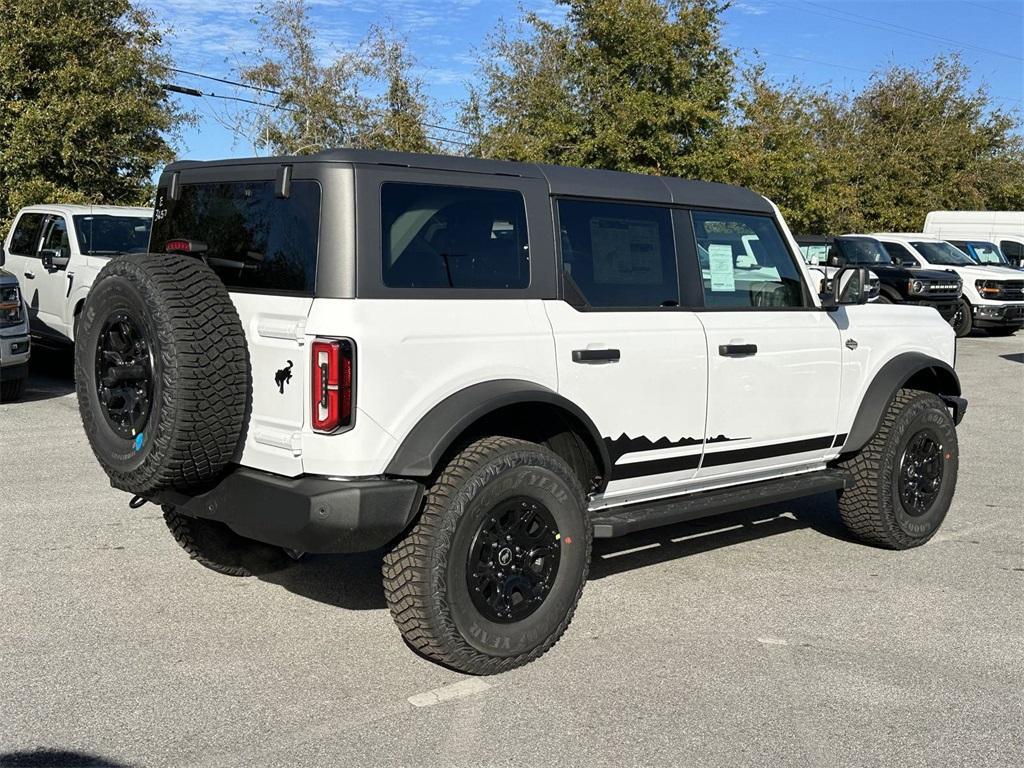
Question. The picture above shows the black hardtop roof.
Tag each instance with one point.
(561, 180)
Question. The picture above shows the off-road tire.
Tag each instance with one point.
(212, 544)
(11, 389)
(966, 324)
(425, 572)
(872, 509)
(200, 372)
(883, 299)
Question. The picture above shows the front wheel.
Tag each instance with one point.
(904, 478)
(490, 575)
(962, 320)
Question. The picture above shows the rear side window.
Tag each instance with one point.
(251, 238)
(617, 254)
(437, 236)
(25, 241)
(744, 262)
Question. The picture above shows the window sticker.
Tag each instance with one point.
(723, 277)
(626, 251)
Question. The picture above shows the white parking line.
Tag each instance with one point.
(448, 692)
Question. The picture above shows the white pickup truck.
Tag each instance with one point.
(56, 251)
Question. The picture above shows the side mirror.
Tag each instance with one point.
(835, 260)
(851, 285)
(54, 259)
(909, 263)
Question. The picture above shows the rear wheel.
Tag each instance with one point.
(904, 478)
(962, 320)
(215, 546)
(489, 577)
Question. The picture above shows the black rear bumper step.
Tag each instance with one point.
(619, 521)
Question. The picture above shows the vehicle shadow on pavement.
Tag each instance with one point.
(344, 581)
(1016, 357)
(51, 758)
(51, 373)
(658, 545)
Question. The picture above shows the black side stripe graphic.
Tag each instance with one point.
(838, 442)
(680, 463)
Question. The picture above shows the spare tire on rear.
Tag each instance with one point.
(162, 373)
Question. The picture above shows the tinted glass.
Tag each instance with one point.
(984, 252)
(25, 241)
(900, 254)
(453, 237)
(942, 254)
(254, 240)
(744, 262)
(110, 235)
(862, 250)
(1012, 250)
(57, 236)
(619, 255)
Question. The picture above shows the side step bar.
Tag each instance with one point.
(618, 521)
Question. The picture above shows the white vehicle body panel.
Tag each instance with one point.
(54, 296)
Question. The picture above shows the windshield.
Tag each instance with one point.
(814, 253)
(987, 253)
(942, 254)
(105, 235)
(862, 250)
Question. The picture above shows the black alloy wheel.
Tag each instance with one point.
(513, 560)
(124, 375)
(921, 470)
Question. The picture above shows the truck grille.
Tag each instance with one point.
(1012, 290)
(941, 289)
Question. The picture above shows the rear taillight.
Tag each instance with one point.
(333, 371)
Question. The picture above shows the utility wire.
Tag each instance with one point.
(194, 92)
(868, 21)
(278, 93)
(993, 10)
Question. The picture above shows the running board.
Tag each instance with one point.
(618, 521)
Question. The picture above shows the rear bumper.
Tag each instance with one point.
(307, 514)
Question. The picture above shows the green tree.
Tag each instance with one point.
(82, 115)
(363, 97)
(635, 85)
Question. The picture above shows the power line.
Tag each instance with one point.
(194, 92)
(993, 10)
(868, 21)
(278, 93)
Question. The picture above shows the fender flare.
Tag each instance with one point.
(425, 445)
(890, 378)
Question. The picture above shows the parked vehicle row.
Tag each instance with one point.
(1002, 229)
(15, 342)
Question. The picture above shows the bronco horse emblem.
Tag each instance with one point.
(283, 376)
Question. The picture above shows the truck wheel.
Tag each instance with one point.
(883, 299)
(962, 320)
(162, 373)
(12, 389)
(904, 478)
(214, 545)
(489, 577)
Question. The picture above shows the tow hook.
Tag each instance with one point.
(138, 501)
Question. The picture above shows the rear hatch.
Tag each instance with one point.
(264, 248)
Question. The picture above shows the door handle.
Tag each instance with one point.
(737, 350)
(595, 355)
(30, 275)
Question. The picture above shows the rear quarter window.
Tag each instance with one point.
(254, 240)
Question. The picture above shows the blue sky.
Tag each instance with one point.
(836, 42)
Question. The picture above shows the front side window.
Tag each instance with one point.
(25, 240)
(1012, 250)
(251, 238)
(57, 237)
(942, 254)
(900, 254)
(453, 237)
(104, 235)
(744, 262)
(618, 255)
(862, 250)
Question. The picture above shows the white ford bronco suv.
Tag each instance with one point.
(56, 251)
(479, 366)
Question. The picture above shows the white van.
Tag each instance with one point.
(1004, 228)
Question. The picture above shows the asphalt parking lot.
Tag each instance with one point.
(759, 638)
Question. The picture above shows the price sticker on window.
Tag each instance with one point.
(723, 276)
